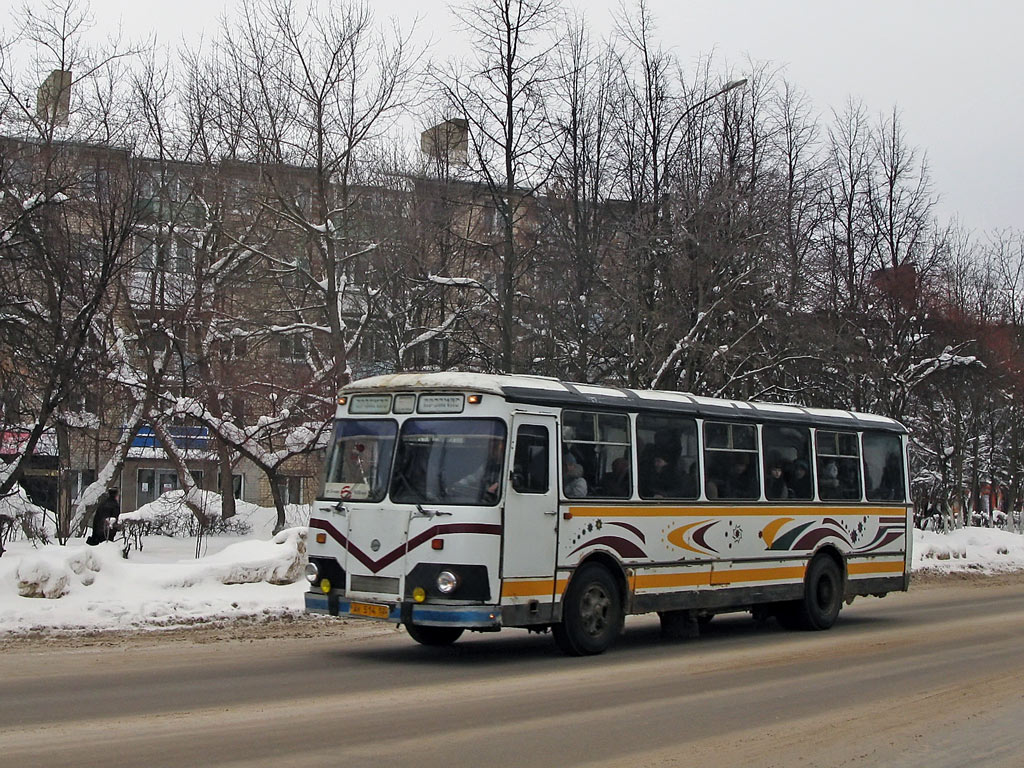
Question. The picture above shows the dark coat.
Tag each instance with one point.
(108, 509)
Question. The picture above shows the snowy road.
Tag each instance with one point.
(929, 678)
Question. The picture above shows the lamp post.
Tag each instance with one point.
(730, 86)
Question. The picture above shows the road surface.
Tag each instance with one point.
(933, 677)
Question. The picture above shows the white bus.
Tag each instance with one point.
(457, 501)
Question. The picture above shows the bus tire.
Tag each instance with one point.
(823, 595)
(592, 614)
(433, 636)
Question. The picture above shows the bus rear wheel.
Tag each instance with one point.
(433, 636)
(823, 597)
(592, 615)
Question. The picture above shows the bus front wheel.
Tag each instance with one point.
(433, 635)
(592, 615)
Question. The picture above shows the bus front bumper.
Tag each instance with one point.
(424, 614)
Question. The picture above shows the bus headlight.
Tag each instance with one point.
(447, 582)
(312, 573)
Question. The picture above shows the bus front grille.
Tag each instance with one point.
(382, 584)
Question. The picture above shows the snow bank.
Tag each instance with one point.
(989, 550)
(279, 561)
(78, 587)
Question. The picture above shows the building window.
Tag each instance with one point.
(237, 484)
(293, 348)
(291, 489)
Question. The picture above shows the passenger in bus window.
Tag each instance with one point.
(741, 481)
(574, 484)
(616, 483)
(891, 485)
(661, 480)
(849, 481)
(800, 481)
(828, 483)
(775, 484)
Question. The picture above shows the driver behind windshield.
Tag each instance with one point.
(485, 479)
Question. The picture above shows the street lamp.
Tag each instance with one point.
(730, 86)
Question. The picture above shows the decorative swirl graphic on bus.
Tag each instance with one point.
(693, 537)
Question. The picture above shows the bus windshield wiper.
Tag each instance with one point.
(429, 512)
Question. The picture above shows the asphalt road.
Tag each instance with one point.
(934, 677)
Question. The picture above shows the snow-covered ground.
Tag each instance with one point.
(78, 587)
(985, 550)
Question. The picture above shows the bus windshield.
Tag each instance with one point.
(449, 461)
(360, 459)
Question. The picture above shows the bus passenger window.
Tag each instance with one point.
(787, 461)
(668, 467)
(530, 464)
(596, 456)
(730, 451)
(883, 467)
(838, 465)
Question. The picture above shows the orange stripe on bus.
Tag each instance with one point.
(658, 580)
(709, 578)
(740, 575)
(883, 567)
(536, 588)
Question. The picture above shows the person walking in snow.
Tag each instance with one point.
(103, 520)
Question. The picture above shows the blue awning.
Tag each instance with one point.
(186, 438)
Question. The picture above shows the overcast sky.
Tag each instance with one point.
(952, 68)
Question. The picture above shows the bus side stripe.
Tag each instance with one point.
(533, 588)
(890, 566)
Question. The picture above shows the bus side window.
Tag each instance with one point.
(787, 461)
(838, 465)
(530, 464)
(883, 467)
(730, 451)
(595, 447)
(668, 457)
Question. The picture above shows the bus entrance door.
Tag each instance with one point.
(530, 534)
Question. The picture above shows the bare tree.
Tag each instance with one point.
(66, 217)
(500, 95)
(577, 303)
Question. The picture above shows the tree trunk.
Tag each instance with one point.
(227, 484)
(275, 491)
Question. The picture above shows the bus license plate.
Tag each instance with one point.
(369, 609)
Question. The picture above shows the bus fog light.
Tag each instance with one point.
(325, 585)
(419, 594)
(447, 582)
(312, 573)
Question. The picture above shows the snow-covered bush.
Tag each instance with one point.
(169, 515)
(19, 517)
